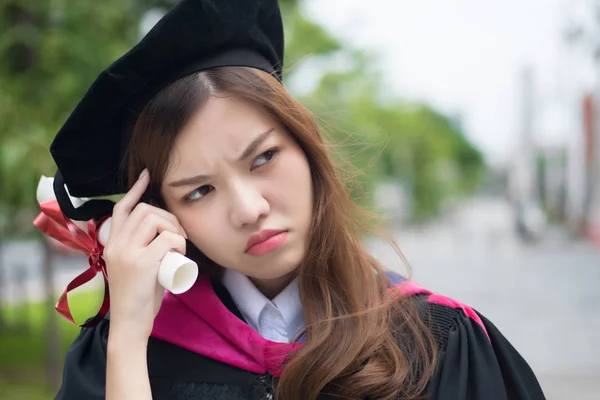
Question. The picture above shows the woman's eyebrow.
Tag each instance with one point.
(255, 144)
(194, 180)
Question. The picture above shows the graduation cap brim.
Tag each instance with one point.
(196, 35)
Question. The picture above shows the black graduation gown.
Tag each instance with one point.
(474, 364)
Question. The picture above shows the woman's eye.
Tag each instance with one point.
(199, 193)
(264, 158)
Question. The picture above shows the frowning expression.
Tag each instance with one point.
(241, 188)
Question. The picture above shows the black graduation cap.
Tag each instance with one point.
(195, 35)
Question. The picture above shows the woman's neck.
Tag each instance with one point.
(270, 288)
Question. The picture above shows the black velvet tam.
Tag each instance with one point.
(195, 35)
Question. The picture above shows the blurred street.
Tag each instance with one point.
(544, 297)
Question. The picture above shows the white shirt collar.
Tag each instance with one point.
(279, 320)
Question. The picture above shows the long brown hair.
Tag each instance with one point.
(361, 340)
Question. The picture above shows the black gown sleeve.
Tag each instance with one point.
(474, 366)
(84, 372)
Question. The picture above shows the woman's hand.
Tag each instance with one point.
(133, 254)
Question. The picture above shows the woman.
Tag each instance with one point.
(224, 166)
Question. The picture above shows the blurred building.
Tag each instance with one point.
(578, 83)
(581, 82)
(583, 188)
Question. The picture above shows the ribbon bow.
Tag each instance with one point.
(55, 224)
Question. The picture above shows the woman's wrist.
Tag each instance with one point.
(124, 337)
(127, 368)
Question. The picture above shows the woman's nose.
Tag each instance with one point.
(248, 205)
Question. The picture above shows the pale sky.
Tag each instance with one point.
(464, 56)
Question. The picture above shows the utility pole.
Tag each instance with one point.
(593, 210)
(523, 184)
(527, 134)
(584, 36)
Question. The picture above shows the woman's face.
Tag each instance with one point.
(237, 177)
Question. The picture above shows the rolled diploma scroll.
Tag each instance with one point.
(176, 272)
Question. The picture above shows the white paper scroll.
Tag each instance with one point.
(176, 273)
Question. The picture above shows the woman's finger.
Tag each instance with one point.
(147, 230)
(163, 243)
(124, 207)
(140, 213)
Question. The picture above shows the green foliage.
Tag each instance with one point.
(53, 51)
(304, 38)
(22, 374)
(390, 139)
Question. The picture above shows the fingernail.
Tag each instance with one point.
(144, 173)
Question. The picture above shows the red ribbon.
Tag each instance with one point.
(55, 224)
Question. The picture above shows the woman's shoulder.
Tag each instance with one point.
(475, 360)
(439, 312)
(84, 371)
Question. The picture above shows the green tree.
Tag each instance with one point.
(52, 52)
(393, 139)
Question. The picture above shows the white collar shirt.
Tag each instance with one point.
(279, 320)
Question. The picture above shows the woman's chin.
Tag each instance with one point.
(272, 274)
(283, 265)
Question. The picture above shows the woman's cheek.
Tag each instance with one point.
(207, 229)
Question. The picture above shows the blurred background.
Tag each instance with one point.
(474, 125)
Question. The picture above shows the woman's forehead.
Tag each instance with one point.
(226, 121)
(223, 129)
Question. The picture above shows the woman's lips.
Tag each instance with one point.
(265, 242)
